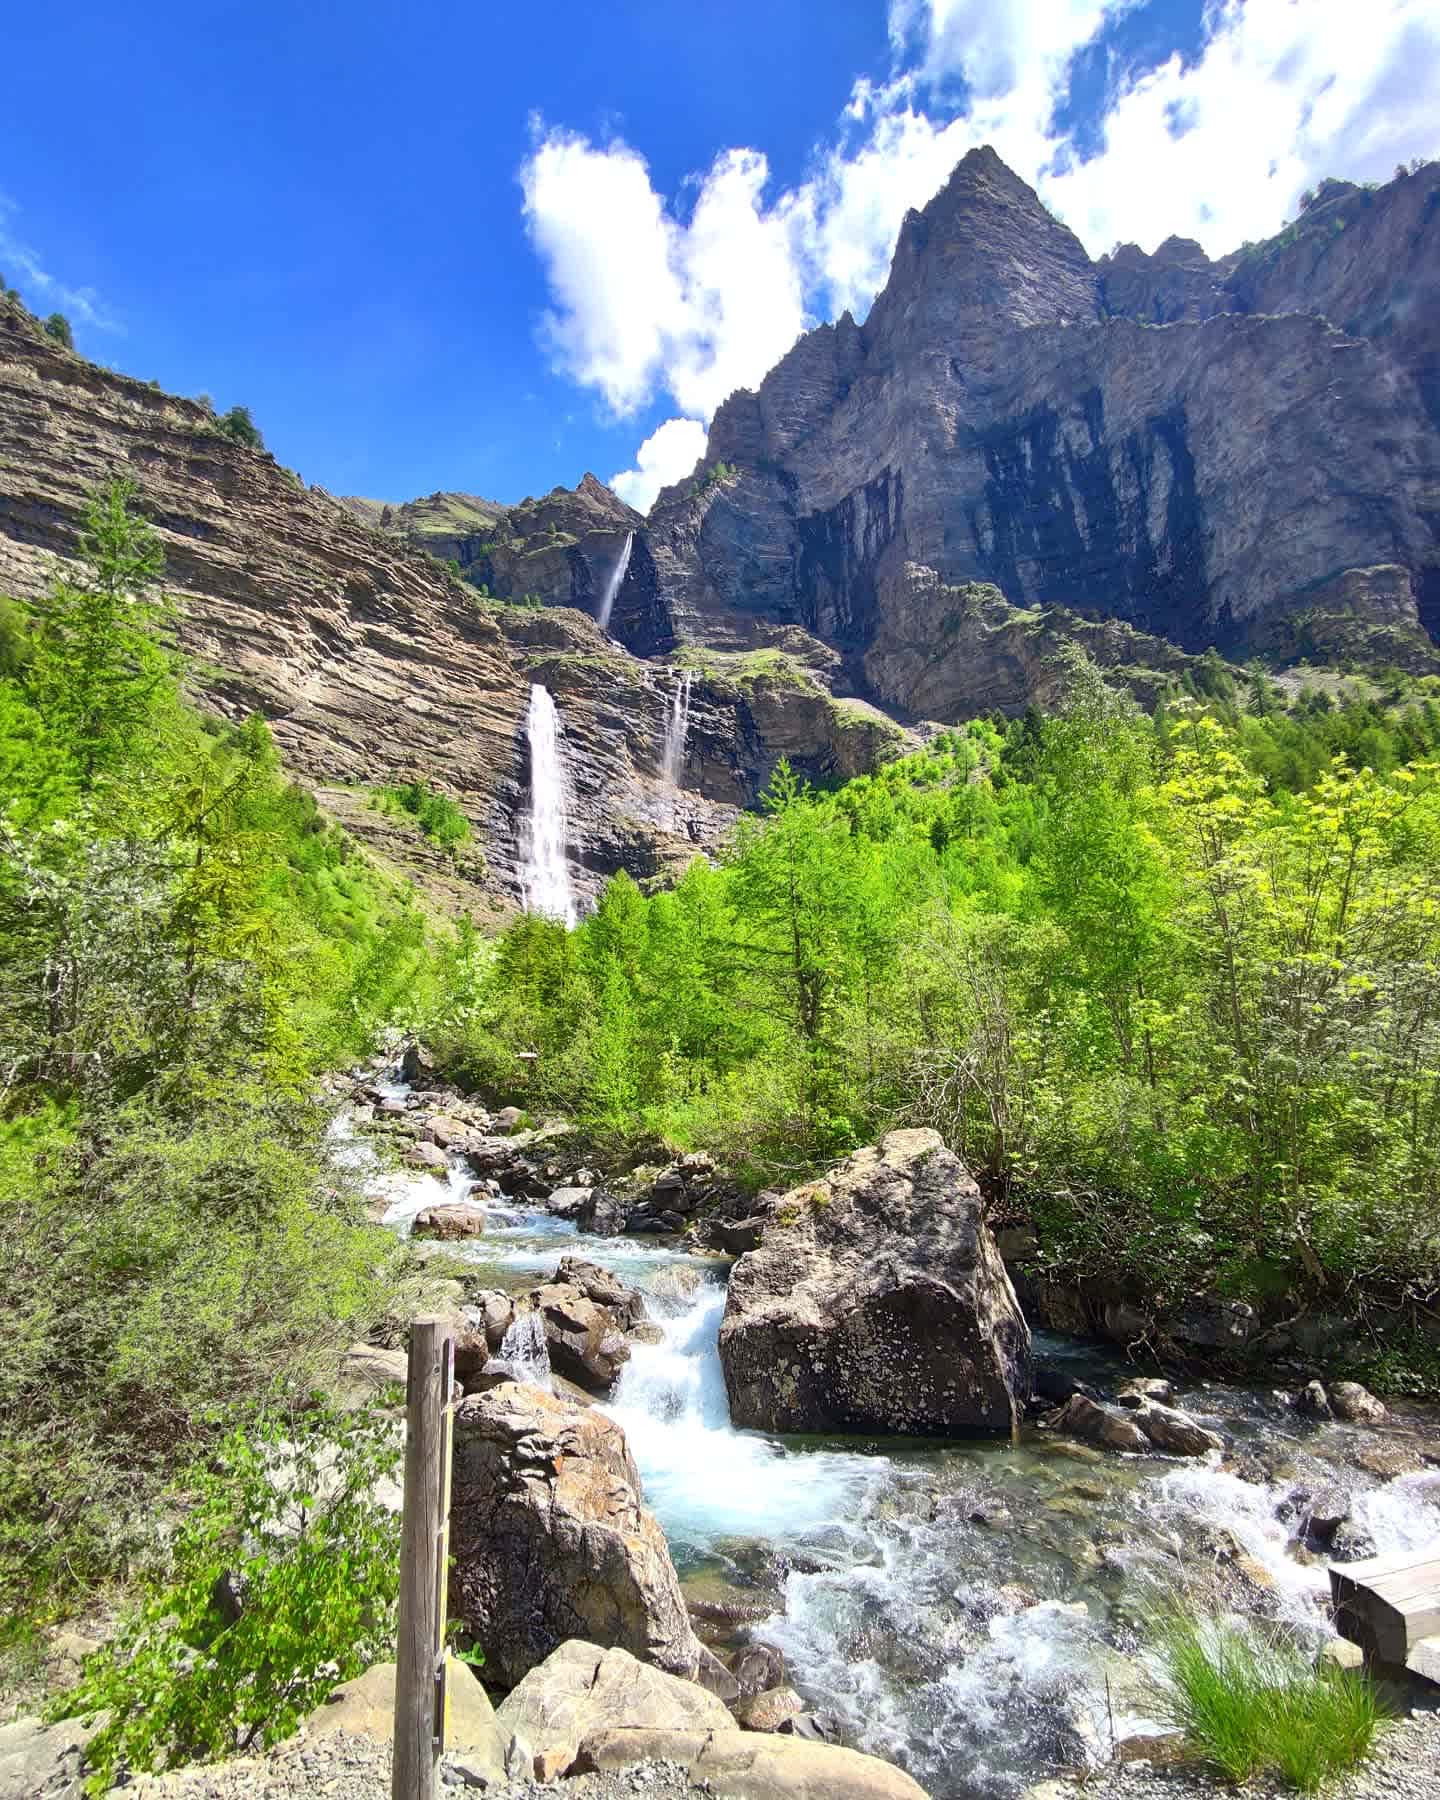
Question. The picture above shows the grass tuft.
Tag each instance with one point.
(1252, 1704)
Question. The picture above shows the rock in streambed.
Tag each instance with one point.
(877, 1301)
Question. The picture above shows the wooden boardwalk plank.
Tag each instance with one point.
(1390, 1604)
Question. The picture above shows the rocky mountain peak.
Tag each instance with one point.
(983, 254)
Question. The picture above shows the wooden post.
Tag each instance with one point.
(424, 1545)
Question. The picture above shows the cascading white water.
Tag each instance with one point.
(524, 1349)
(547, 874)
(957, 1606)
(677, 725)
(615, 583)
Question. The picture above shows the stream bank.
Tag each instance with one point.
(971, 1610)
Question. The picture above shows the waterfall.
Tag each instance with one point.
(614, 584)
(524, 1348)
(547, 877)
(677, 724)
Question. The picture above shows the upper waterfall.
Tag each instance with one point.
(614, 584)
(547, 874)
(677, 725)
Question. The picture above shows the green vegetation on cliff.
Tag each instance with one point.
(1185, 1020)
(183, 944)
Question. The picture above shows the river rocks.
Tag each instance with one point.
(581, 1688)
(605, 1214)
(569, 1202)
(1170, 1429)
(1097, 1424)
(1145, 1425)
(768, 1710)
(625, 1304)
(1355, 1404)
(551, 1541)
(1312, 1401)
(450, 1222)
(746, 1765)
(426, 1156)
(1055, 1383)
(584, 1340)
(448, 1133)
(877, 1302)
(756, 1668)
(1136, 1393)
(504, 1161)
(737, 1236)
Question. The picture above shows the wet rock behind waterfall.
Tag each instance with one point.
(877, 1301)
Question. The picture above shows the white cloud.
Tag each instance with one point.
(22, 267)
(1282, 94)
(669, 454)
(646, 300)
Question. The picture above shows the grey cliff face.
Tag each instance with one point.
(1195, 448)
(372, 663)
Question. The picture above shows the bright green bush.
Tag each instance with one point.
(284, 1584)
(436, 814)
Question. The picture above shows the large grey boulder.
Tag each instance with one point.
(550, 1539)
(581, 1688)
(878, 1302)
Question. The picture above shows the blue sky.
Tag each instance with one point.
(489, 247)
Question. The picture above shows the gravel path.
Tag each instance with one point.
(1405, 1766)
(340, 1767)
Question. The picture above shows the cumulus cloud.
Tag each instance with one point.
(651, 300)
(668, 454)
(644, 299)
(1281, 96)
(23, 267)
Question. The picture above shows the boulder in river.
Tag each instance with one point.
(1355, 1404)
(569, 1202)
(1313, 1401)
(1098, 1424)
(450, 1222)
(580, 1688)
(1170, 1429)
(584, 1340)
(625, 1304)
(551, 1541)
(426, 1156)
(878, 1302)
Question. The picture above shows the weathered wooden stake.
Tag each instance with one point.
(424, 1545)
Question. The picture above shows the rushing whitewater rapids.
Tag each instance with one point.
(971, 1611)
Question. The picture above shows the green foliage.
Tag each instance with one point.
(239, 425)
(436, 814)
(1253, 1705)
(284, 1584)
(183, 943)
(1183, 1018)
(57, 326)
